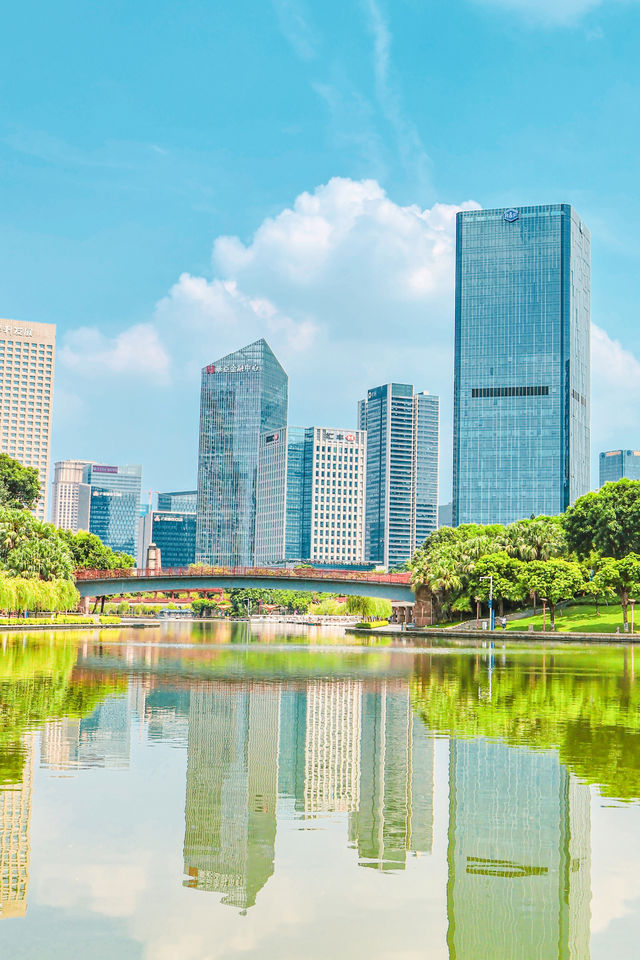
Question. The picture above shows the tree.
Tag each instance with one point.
(537, 539)
(90, 553)
(607, 521)
(44, 559)
(369, 608)
(552, 580)
(622, 576)
(506, 572)
(19, 486)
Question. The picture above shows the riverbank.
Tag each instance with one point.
(72, 627)
(419, 637)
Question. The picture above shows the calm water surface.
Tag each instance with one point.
(201, 792)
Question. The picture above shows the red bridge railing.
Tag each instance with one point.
(278, 573)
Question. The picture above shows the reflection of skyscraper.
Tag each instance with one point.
(519, 855)
(395, 810)
(99, 740)
(232, 779)
(293, 730)
(15, 814)
(332, 746)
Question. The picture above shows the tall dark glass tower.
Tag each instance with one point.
(521, 385)
(243, 395)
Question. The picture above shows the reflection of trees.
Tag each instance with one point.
(36, 684)
(587, 707)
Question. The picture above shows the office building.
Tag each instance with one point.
(519, 854)
(402, 471)
(616, 464)
(114, 505)
(243, 396)
(182, 501)
(310, 496)
(27, 356)
(521, 379)
(71, 495)
(174, 534)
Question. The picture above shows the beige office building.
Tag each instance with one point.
(71, 495)
(27, 355)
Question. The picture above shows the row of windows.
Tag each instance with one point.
(484, 392)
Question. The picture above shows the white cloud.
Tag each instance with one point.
(553, 12)
(615, 392)
(139, 349)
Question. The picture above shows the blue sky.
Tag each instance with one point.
(179, 178)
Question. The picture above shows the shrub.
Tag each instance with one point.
(371, 624)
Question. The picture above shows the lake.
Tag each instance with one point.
(219, 791)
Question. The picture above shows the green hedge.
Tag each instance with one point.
(372, 624)
(51, 621)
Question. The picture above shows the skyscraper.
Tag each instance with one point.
(310, 495)
(616, 464)
(174, 533)
(243, 395)
(521, 382)
(71, 495)
(27, 354)
(184, 501)
(115, 504)
(401, 508)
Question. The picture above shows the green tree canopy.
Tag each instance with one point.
(607, 521)
(620, 576)
(19, 486)
(552, 580)
(90, 553)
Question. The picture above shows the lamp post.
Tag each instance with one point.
(544, 613)
(492, 616)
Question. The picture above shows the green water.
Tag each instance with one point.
(219, 791)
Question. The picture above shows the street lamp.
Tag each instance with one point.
(492, 616)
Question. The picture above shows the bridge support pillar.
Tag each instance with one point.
(85, 605)
(423, 608)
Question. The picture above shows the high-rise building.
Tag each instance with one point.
(182, 501)
(310, 495)
(115, 504)
(402, 470)
(521, 381)
(174, 533)
(71, 495)
(519, 854)
(616, 464)
(243, 396)
(27, 355)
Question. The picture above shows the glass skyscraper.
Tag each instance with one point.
(616, 464)
(114, 505)
(521, 382)
(402, 470)
(184, 501)
(243, 395)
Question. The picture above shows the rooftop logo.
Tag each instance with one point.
(511, 215)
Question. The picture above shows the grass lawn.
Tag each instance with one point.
(580, 618)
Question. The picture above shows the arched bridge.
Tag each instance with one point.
(108, 583)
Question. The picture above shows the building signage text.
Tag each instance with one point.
(233, 368)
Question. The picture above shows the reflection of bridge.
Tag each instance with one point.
(108, 583)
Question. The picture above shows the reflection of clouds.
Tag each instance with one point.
(111, 889)
(615, 856)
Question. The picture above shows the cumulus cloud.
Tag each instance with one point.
(138, 349)
(553, 12)
(615, 389)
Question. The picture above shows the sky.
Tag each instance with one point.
(178, 179)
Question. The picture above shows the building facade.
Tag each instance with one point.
(243, 396)
(184, 501)
(521, 379)
(71, 495)
(616, 464)
(27, 360)
(402, 470)
(310, 496)
(114, 505)
(174, 533)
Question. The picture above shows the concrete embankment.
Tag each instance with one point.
(424, 637)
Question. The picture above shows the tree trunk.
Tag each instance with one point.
(534, 597)
(624, 601)
(552, 616)
(501, 607)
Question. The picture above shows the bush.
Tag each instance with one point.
(51, 621)
(371, 624)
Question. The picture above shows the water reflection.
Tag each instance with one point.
(351, 748)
